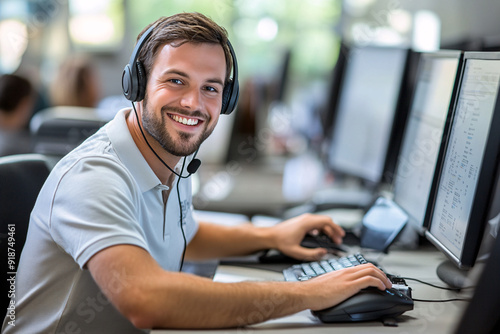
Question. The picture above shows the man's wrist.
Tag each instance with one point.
(268, 238)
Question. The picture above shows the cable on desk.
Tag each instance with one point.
(436, 286)
(441, 300)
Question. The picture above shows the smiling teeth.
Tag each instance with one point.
(185, 121)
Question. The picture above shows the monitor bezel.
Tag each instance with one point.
(424, 56)
(483, 192)
(334, 91)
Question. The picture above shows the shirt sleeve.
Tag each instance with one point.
(93, 208)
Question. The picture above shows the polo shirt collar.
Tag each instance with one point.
(127, 151)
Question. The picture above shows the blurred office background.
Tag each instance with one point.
(287, 51)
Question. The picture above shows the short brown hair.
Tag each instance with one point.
(183, 28)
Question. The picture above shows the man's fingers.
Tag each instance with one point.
(335, 234)
(326, 224)
(307, 254)
(369, 275)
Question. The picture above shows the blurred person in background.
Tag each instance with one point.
(76, 83)
(17, 98)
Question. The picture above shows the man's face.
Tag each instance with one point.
(184, 96)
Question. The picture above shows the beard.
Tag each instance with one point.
(156, 127)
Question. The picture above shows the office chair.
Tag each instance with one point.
(58, 130)
(21, 178)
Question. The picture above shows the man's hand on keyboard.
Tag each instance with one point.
(289, 234)
(332, 288)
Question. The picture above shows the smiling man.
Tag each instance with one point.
(107, 235)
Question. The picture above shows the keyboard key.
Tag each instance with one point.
(318, 270)
(308, 271)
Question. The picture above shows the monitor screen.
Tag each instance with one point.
(465, 175)
(366, 110)
(424, 130)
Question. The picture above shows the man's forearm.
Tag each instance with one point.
(216, 305)
(212, 241)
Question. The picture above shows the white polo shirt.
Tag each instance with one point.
(101, 194)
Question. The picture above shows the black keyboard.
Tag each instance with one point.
(305, 271)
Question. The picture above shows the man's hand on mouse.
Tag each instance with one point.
(289, 234)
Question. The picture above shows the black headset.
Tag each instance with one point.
(134, 78)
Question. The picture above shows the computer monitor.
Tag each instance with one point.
(429, 113)
(366, 112)
(465, 173)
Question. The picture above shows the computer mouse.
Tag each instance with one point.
(321, 240)
(368, 304)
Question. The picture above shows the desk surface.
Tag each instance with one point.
(425, 318)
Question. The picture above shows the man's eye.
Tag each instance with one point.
(176, 81)
(211, 89)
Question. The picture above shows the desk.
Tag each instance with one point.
(428, 318)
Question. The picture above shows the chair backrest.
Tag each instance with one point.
(58, 130)
(21, 178)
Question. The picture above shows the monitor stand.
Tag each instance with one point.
(452, 275)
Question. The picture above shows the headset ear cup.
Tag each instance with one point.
(233, 98)
(127, 82)
(226, 95)
(133, 82)
(134, 75)
(230, 97)
(231, 90)
(141, 81)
